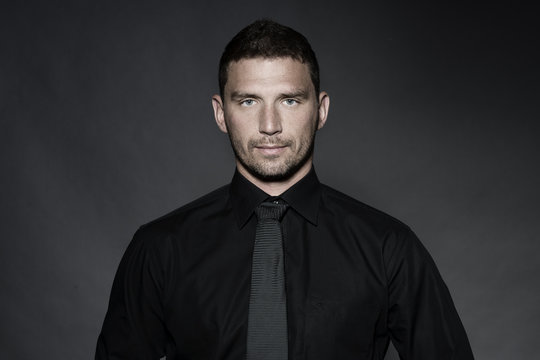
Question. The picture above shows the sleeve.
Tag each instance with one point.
(134, 324)
(422, 320)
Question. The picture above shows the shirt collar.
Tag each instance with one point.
(303, 197)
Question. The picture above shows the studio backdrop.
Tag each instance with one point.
(106, 124)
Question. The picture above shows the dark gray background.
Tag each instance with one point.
(106, 124)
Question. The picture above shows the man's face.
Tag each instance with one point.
(271, 113)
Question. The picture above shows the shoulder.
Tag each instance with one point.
(191, 213)
(394, 238)
(158, 239)
(353, 211)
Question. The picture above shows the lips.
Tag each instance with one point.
(270, 146)
(271, 149)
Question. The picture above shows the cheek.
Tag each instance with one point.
(238, 131)
(239, 124)
(306, 128)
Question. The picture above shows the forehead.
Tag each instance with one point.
(267, 74)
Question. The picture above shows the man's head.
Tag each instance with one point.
(270, 105)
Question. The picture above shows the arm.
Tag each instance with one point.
(422, 319)
(133, 327)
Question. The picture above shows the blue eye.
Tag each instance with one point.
(248, 102)
(290, 102)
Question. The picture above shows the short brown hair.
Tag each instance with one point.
(268, 39)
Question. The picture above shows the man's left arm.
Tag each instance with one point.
(422, 319)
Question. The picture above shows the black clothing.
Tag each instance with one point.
(355, 278)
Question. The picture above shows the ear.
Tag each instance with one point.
(324, 106)
(219, 113)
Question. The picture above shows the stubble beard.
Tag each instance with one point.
(272, 169)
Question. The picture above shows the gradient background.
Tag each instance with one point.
(106, 123)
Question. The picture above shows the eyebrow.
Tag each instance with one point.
(297, 93)
(237, 95)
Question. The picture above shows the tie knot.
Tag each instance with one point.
(271, 210)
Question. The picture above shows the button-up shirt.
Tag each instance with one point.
(355, 279)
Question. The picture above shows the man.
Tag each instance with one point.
(276, 265)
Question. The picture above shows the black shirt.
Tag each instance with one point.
(355, 278)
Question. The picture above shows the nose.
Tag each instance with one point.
(270, 121)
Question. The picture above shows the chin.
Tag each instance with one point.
(279, 173)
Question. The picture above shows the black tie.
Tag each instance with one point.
(267, 319)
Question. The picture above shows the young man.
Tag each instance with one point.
(276, 265)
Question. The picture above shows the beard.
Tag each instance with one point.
(278, 167)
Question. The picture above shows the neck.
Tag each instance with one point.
(275, 188)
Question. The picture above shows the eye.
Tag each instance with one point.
(290, 102)
(247, 102)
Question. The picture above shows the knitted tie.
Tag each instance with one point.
(267, 317)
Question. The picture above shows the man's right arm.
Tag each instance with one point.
(133, 327)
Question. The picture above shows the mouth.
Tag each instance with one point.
(271, 150)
